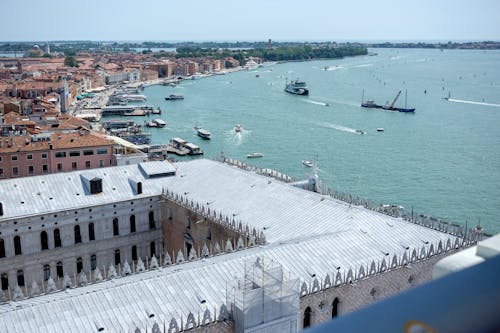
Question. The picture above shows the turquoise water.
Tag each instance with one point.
(444, 160)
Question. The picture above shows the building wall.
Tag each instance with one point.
(33, 258)
(41, 158)
(182, 227)
(367, 291)
(95, 160)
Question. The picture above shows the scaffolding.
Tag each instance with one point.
(264, 300)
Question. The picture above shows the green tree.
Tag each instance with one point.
(70, 61)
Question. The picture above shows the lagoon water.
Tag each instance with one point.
(443, 161)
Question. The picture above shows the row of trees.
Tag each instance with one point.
(284, 53)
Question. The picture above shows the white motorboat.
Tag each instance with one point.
(159, 122)
(307, 163)
(255, 155)
(238, 128)
(203, 133)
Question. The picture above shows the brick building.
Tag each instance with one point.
(38, 154)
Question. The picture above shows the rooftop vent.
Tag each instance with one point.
(136, 185)
(92, 183)
(95, 185)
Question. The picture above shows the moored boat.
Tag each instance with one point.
(159, 122)
(203, 133)
(174, 97)
(297, 88)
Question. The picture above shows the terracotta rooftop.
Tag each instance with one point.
(80, 139)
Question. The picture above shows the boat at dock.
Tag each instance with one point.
(203, 133)
(133, 97)
(297, 88)
(155, 123)
(181, 147)
(174, 97)
(129, 110)
(159, 122)
(117, 124)
(255, 155)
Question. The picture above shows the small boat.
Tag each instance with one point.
(297, 88)
(174, 97)
(150, 124)
(156, 111)
(380, 129)
(255, 155)
(307, 163)
(237, 128)
(203, 133)
(358, 131)
(159, 122)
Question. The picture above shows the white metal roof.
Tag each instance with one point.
(306, 232)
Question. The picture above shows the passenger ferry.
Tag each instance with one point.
(297, 88)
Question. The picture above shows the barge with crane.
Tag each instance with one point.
(390, 107)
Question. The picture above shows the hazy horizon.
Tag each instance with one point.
(225, 20)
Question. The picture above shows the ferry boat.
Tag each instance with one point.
(181, 147)
(174, 97)
(255, 155)
(297, 88)
(203, 133)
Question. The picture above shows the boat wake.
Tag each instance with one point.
(236, 138)
(332, 68)
(316, 102)
(362, 65)
(341, 128)
(473, 102)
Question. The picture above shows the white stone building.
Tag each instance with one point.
(294, 258)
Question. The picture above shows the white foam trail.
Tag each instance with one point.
(340, 128)
(315, 102)
(473, 102)
(363, 65)
(333, 68)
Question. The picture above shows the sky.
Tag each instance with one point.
(238, 20)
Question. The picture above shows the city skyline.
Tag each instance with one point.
(387, 20)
